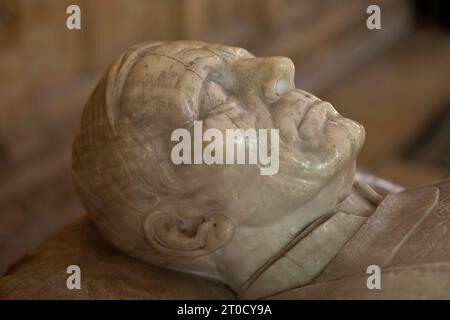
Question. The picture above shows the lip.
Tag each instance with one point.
(315, 120)
(323, 111)
(308, 108)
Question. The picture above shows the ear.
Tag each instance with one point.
(172, 234)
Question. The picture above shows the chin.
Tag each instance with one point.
(356, 133)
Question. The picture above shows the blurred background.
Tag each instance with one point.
(395, 81)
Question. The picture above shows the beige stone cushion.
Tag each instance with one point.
(105, 272)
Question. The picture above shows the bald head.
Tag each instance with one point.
(198, 218)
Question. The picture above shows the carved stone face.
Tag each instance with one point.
(212, 214)
(316, 143)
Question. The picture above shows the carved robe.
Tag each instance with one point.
(408, 237)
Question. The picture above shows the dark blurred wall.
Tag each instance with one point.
(434, 12)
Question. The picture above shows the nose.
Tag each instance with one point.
(272, 75)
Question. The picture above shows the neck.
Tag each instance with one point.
(306, 255)
(362, 201)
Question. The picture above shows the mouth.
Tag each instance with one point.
(317, 114)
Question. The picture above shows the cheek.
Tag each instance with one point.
(244, 195)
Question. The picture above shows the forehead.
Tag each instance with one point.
(194, 52)
(196, 58)
(179, 72)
